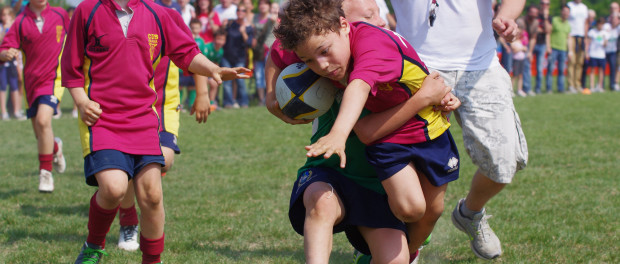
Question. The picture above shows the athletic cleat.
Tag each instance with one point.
(128, 238)
(59, 160)
(483, 240)
(90, 254)
(46, 181)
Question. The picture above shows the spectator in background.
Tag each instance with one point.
(226, 10)
(519, 50)
(531, 26)
(8, 73)
(611, 49)
(614, 8)
(503, 46)
(263, 23)
(187, 11)
(385, 14)
(542, 43)
(560, 45)
(577, 20)
(209, 18)
(214, 52)
(590, 23)
(239, 37)
(169, 4)
(595, 54)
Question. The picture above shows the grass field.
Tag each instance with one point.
(227, 195)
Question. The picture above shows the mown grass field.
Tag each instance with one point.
(226, 197)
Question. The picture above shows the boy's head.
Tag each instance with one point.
(195, 26)
(7, 14)
(600, 22)
(318, 33)
(219, 38)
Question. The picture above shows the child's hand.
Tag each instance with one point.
(506, 28)
(9, 55)
(225, 74)
(448, 104)
(274, 108)
(329, 145)
(90, 111)
(202, 108)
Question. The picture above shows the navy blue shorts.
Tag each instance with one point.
(114, 159)
(169, 140)
(438, 159)
(363, 207)
(594, 62)
(50, 100)
(8, 76)
(186, 81)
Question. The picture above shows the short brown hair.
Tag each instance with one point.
(302, 19)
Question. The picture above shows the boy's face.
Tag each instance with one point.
(219, 41)
(328, 54)
(195, 28)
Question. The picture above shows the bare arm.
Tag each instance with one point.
(504, 22)
(202, 104)
(203, 66)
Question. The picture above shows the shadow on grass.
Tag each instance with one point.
(10, 193)
(46, 211)
(16, 235)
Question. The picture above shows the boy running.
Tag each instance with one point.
(113, 48)
(39, 32)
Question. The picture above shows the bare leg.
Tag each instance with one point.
(324, 209)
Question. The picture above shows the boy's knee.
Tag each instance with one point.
(409, 213)
(112, 194)
(401, 258)
(152, 199)
(321, 202)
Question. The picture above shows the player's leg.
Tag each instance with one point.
(387, 245)
(420, 230)
(128, 219)
(42, 126)
(103, 207)
(213, 91)
(405, 194)
(323, 210)
(169, 159)
(149, 194)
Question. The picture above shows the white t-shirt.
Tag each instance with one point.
(460, 39)
(612, 38)
(186, 13)
(577, 18)
(597, 42)
(229, 13)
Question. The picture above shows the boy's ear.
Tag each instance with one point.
(344, 25)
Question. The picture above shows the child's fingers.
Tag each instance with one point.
(343, 159)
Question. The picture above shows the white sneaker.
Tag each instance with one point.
(128, 238)
(483, 240)
(531, 93)
(6, 117)
(57, 115)
(19, 116)
(59, 160)
(74, 113)
(521, 93)
(46, 181)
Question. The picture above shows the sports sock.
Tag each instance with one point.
(45, 161)
(55, 147)
(414, 255)
(128, 216)
(151, 249)
(181, 93)
(99, 222)
(191, 97)
(468, 212)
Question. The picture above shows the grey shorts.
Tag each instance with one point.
(492, 132)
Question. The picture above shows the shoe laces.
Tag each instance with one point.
(482, 226)
(92, 255)
(128, 233)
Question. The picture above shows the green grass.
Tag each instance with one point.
(227, 195)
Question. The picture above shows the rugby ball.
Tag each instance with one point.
(303, 94)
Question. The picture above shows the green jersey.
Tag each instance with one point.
(211, 54)
(357, 169)
(559, 34)
(201, 46)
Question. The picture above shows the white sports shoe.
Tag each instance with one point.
(483, 240)
(59, 160)
(128, 238)
(46, 181)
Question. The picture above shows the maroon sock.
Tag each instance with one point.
(151, 249)
(99, 222)
(128, 216)
(45, 161)
(55, 147)
(414, 255)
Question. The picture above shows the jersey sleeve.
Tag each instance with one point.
(280, 57)
(180, 46)
(72, 59)
(376, 57)
(12, 38)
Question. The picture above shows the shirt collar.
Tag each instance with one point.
(31, 14)
(113, 5)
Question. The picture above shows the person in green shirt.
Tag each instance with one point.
(185, 79)
(214, 51)
(560, 31)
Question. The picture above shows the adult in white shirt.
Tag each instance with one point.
(578, 25)
(611, 49)
(461, 47)
(187, 11)
(226, 10)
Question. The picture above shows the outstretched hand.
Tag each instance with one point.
(226, 74)
(329, 145)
